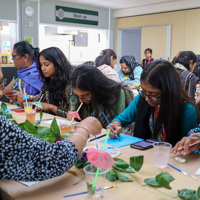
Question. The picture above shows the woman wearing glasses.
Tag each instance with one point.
(162, 110)
(26, 78)
(55, 72)
(97, 93)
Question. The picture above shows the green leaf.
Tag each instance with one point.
(127, 170)
(198, 192)
(44, 132)
(136, 162)
(3, 106)
(151, 182)
(79, 164)
(28, 126)
(41, 114)
(188, 194)
(120, 163)
(21, 125)
(164, 179)
(55, 129)
(111, 176)
(14, 121)
(66, 135)
(36, 124)
(7, 115)
(123, 178)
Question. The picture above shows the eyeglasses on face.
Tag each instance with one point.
(151, 97)
(86, 99)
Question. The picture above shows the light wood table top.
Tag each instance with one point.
(56, 188)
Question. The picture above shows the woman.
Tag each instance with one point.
(105, 63)
(185, 63)
(162, 110)
(27, 158)
(97, 93)
(130, 70)
(55, 72)
(26, 79)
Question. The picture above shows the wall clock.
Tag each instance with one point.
(29, 11)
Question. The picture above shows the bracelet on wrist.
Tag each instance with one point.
(78, 134)
(83, 128)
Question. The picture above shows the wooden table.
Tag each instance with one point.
(56, 188)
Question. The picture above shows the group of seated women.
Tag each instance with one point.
(162, 110)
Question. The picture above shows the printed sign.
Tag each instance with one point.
(75, 15)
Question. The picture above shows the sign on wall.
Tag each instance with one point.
(75, 15)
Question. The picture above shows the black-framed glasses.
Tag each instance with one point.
(86, 99)
(151, 97)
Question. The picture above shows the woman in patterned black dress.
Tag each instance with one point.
(27, 158)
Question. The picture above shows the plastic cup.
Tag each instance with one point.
(65, 128)
(28, 107)
(30, 116)
(30, 112)
(161, 154)
(90, 172)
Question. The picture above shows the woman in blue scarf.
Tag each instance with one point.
(27, 77)
(130, 70)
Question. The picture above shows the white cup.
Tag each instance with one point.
(161, 154)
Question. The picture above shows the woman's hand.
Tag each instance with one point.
(185, 143)
(117, 128)
(20, 96)
(10, 94)
(69, 117)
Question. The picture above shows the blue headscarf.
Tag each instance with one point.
(30, 76)
(132, 63)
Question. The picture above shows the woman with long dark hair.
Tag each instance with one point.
(55, 72)
(162, 110)
(97, 93)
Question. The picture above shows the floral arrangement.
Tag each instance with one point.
(51, 134)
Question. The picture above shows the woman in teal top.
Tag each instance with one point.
(162, 110)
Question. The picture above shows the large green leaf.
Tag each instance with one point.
(151, 182)
(123, 178)
(111, 176)
(43, 131)
(198, 192)
(3, 106)
(164, 179)
(136, 162)
(36, 124)
(120, 163)
(127, 170)
(55, 129)
(41, 114)
(28, 126)
(188, 194)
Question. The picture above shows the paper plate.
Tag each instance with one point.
(113, 151)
